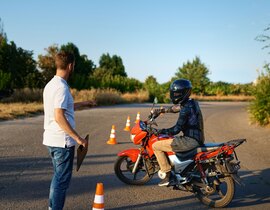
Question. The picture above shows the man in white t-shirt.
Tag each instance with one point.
(59, 128)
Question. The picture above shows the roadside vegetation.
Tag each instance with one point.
(28, 102)
(16, 110)
(22, 79)
(259, 108)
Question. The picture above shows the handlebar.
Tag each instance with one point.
(154, 113)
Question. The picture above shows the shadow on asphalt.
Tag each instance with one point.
(256, 190)
(157, 204)
(23, 179)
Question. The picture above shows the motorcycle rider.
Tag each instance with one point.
(189, 126)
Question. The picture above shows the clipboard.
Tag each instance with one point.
(81, 153)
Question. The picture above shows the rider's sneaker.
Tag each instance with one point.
(166, 180)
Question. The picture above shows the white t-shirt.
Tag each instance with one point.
(56, 94)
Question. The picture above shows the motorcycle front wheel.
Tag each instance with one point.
(123, 169)
(220, 194)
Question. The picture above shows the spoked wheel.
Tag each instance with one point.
(123, 169)
(219, 193)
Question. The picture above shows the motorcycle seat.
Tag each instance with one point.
(209, 147)
(213, 144)
(204, 148)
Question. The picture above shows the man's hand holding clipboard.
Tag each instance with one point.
(81, 153)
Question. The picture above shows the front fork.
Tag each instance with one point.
(136, 155)
(137, 163)
(142, 156)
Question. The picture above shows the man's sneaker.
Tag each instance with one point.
(166, 180)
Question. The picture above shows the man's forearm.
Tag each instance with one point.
(64, 124)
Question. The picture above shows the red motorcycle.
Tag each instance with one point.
(210, 171)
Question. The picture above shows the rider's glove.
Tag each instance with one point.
(156, 132)
(157, 112)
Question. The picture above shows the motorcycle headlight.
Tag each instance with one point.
(132, 137)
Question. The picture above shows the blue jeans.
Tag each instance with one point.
(62, 159)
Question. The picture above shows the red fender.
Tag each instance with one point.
(131, 153)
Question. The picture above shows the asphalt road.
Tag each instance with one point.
(26, 170)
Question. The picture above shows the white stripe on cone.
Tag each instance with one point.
(99, 199)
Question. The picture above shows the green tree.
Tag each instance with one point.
(46, 62)
(196, 72)
(83, 66)
(153, 88)
(165, 93)
(3, 35)
(101, 78)
(218, 88)
(265, 38)
(223, 88)
(16, 64)
(4, 81)
(113, 65)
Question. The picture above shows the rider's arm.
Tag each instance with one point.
(182, 119)
(174, 109)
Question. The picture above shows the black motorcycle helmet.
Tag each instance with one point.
(180, 90)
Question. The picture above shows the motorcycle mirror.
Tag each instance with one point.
(154, 102)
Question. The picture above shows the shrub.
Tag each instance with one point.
(136, 97)
(99, 96)
(260, 107)
(83, 95)
(24, 95)
(103, 80)
(223, 89)
(108, 97)
(4, 80)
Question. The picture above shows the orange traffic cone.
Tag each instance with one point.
(137, 117)
(99, 198)
(127, 128)
(112, 139)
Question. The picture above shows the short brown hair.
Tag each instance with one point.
(63, 58)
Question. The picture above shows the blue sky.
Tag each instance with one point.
(153, 37)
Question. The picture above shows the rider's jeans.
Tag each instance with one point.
(180, 144)
(62, 159)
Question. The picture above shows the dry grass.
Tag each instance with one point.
(93, 97)
(83, 95)
(223, 98)
(14, 110)
(25, 95)
(137, 97)
(100, 97)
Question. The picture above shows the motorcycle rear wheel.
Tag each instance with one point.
(123, 169)
(221, 195)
